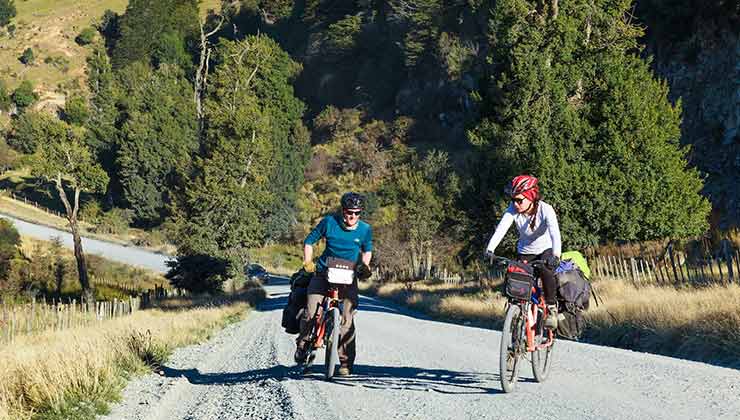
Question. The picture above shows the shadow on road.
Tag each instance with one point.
(416, 379)
(366, 376)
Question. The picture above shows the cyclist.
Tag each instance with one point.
(347, 238)
(539, 234)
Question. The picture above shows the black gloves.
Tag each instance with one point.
(552, 262)
(363, 271)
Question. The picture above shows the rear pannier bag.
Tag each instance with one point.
(296, 301)
(518, 284)
(574, 293)
(573, 288)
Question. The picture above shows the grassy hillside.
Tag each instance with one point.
(49, 27)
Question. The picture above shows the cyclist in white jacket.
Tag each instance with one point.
(539, 234)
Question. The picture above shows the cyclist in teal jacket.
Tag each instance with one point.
(349, 238)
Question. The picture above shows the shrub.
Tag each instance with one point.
(27, 57)
(76, 110)
(5, 100)
(86, 37)
(24, 96)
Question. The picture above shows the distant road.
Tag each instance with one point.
(125, 254)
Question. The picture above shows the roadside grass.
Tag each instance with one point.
(700, 324)
(74, 374)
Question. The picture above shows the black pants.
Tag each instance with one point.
(547, 274)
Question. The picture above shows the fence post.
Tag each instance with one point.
(728, 259)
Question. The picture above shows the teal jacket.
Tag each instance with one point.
(340, 242)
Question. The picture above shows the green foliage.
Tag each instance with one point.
(420, 19)
(5, 99)
(9, 241)
(341, 37)
(76, 110)
(456, 55)
(32, 127)
(276, 9)
(158, 138)
(155, 31)
(64, 155)
(198, 273)
(24, 96)
(577, 108)
(255, 148)
(27, 57)
(7, 11)
(86, 36)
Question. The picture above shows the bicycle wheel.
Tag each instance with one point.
(542, 358)
(332, 341)
(510, 351)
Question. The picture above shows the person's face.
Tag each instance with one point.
(521, 203)
(351, 216)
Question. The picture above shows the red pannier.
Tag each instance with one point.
(518, 281)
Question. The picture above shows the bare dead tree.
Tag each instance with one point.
(201, 75)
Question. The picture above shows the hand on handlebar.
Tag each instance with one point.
(552, 262)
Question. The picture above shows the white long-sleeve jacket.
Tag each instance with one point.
(545, 235)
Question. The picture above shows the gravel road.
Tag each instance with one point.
(410, 367)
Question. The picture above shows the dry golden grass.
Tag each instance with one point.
(77, 371)
(696, 323)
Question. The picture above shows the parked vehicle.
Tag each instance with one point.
(257, 273)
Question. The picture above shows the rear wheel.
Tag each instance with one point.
(332, 341)
(541, 359)
(510, 350)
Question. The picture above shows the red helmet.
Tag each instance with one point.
(526, 185)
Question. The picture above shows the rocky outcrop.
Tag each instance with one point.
(703, 71)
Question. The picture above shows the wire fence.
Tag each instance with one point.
(41, 315)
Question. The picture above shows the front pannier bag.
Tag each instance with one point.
(518, 282)
(296, 301)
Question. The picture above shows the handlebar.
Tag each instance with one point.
(504, 260)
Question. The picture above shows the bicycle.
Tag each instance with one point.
(327, 322)
(523, 332)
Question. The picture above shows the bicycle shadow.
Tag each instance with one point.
(405, 378)
(442, 381)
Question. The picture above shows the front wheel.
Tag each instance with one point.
(510, 351)
(332, 341)
(542, 358)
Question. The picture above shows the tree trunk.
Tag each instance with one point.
(79, 254)
(428, 264)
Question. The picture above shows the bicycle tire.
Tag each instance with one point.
(542, 358)
(332, 342)
(510, 348)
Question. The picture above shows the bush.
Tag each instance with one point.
(76, 110)
(86, 37)
(7, 12)
(32, 126)
(27, 57)
(5, 100)
(198, 273)
(115, 222)
(9, 240)
(24, 96)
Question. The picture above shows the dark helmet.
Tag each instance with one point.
(352, 200)
(522, 184)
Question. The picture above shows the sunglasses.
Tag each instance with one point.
(518, 200)
(353, 213)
